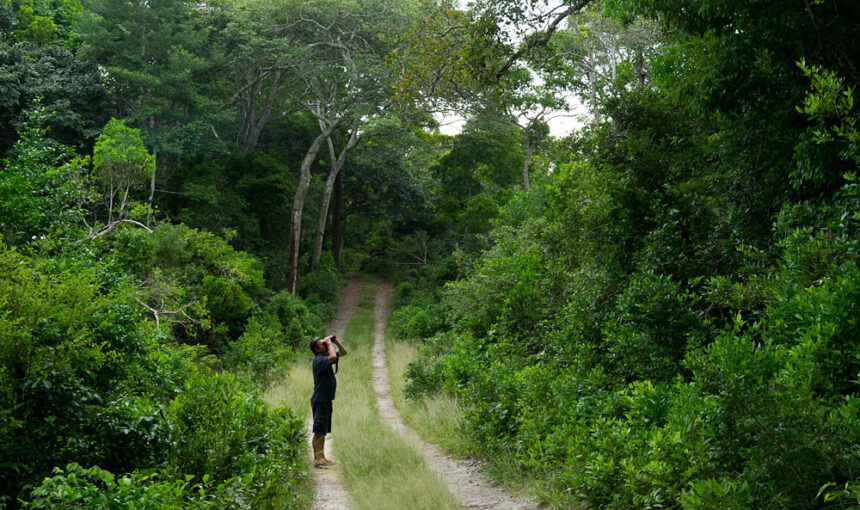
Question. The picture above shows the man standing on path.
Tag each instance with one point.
(326, 354)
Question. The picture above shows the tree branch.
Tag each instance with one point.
(543, 39)
(111, 226)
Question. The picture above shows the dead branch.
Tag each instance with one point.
(114, 224)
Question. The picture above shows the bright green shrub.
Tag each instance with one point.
(262, 350)
(224, 429)
(298, 322)
(76, 360)
(42, 185)
(98, 489)
(216, 287)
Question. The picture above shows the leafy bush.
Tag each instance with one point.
(297, 320)
(639, 343)
(98, 489)
(198, 282)
(224, 429)
(77, 363)
(42, 185)
(262, 351)
(321, 287)
(416, 322)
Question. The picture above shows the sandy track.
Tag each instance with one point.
(330, 492)
(465, 480)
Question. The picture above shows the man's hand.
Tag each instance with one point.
(332, 354)
(340, 346)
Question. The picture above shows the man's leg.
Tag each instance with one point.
(322, 426)
(318, 443)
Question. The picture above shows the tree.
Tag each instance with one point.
(597, 55)
(43, 185)
(161, 63)
(338, 60)
(39, 22)
(120, 164)
(69, 89)
(454, 56)
(255, 49)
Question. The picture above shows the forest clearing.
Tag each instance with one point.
(581, 254)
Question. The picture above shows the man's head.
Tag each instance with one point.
(317, 346)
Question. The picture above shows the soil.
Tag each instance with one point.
(330, 491)
(464, 478)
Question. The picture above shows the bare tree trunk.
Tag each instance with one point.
(253, 127)
(336, 165)
(592, 78)
(151, 186)
(154, 169)
(335, 219)
(528, 163)
(298, 206)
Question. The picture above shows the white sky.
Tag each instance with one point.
(560, 123)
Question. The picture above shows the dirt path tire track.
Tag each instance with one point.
(465, 480)
(329, 489)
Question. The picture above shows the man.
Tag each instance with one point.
(325, 384)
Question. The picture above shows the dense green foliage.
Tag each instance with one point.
(656, 311)
(106, 345)
(668, 318)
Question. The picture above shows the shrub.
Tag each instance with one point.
(224, 429)
(71, 348)
(98, 489)
(416, 322)
(298, 322)
(200, 284)
(321, 287)
(262, 350)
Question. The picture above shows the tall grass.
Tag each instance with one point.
(295, 389)
(380, 468)
(437, 417)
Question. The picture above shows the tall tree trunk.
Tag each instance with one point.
(151, 186)
(528, 163)
(335, 219)
(592, 78)
(252, 126)
(154, 170)
(299, 204)
(336, 165)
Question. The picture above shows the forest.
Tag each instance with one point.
(632, 260)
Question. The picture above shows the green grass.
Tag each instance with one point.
(435, 418)
(295, 389)
(381, 469)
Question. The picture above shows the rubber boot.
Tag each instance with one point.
(318, 443)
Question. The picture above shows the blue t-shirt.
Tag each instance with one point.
(325, 383)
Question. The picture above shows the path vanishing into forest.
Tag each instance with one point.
(464, 479)
(329, 488)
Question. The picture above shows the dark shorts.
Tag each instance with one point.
(322, 417)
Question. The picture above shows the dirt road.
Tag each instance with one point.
(465, 480)
(330, 492)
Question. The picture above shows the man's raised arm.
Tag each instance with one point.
(339, 345)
